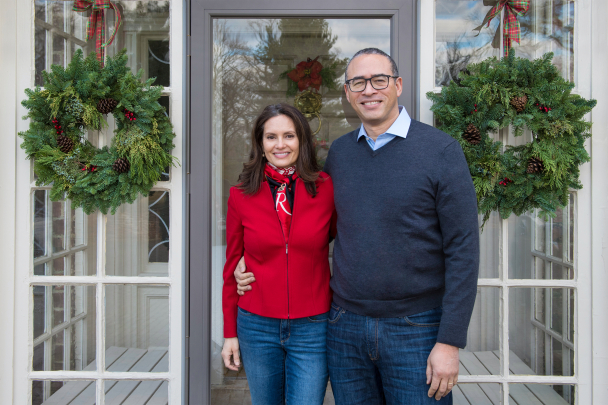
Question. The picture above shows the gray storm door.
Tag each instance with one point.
(237, 51)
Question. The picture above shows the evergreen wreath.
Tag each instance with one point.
(521, 93)
(74, 101)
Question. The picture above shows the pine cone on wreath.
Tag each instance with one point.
(472, 135)
(121, 165)
(519, 103)
(106, 105)
(65, 144)
(535, 165)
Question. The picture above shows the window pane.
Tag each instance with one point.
(483, 341)
(456, 43)
(543, 394)
(70, 337)
(158, 228)
(58, 50)
(58, 299)
(476, 394)
(137, 392)
(40, 50)
(549, 27)
(38, 358)
(145, 35)
(138, 237)
(75, 392)
(489, 243)
(557, 234)
(57, 354)
(39, 223)
(249, 56)
(77, 227)
(537, 344)
(137, 325)
(39, 310)
(159, 61)
(58, 223)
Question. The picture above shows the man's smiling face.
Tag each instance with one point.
(374, 107)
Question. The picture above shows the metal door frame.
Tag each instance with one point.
(200, 13)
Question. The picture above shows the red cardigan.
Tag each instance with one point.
(291, 282)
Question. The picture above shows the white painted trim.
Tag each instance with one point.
(17, 23)
(24, 78)
(595, 12)
(81, 280)
(426, 60)
(8, 181)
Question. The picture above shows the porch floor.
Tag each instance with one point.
(235, 390)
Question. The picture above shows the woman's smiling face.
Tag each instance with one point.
(280, 141)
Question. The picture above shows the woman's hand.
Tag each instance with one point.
(231, 350)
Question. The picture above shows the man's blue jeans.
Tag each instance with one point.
(285, 359)
(375, 361)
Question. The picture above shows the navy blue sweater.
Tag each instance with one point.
(408, 237)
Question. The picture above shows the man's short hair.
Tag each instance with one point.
(372, 51)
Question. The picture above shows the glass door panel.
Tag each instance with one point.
(249, 58)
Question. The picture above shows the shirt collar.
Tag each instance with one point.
(399, 128)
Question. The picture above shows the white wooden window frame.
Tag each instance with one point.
(582, 254)
(22, 374)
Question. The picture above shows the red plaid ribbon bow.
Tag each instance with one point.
(96, 26)
(511, 28)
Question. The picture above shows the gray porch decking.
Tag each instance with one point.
(235, 390)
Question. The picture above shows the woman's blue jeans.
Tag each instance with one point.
(376, 361)
(285, 359)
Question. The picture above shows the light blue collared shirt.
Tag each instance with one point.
(399, 128)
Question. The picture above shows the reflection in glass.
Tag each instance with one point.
(249, 56)
(64, 324)
(158, 228)
(138, 237)
(145, 34)
(548, 26)
(39, 223)
(77, 392)
(40, 49)
(541, 344)
(57, 354)
(159, 62)
(136, 326)
(540, 393)
(58, 225)
(145, 392)
(489, 239)
(476, 394)
(456, 43)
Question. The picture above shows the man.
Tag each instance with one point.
(406, 253)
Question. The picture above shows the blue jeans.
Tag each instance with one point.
(375, 361)
(285, 359)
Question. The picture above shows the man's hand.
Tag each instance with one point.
(231, 351)
(242, 279)
(442, 370)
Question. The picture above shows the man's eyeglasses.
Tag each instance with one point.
(379, 82)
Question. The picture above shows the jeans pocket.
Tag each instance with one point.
(335, 313)
(243, 312)
(319, 318)
(430, 318)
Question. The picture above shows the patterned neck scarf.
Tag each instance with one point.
(285, 177)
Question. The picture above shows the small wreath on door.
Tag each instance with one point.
(76, 100)
(518, 93)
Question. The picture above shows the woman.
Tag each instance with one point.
(279, 218)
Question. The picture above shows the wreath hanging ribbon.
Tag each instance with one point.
(96, 26)
(511, 28)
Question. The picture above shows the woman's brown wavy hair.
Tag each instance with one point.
(307, 167)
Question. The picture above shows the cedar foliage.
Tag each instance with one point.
(85, 174)
(483, 97)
